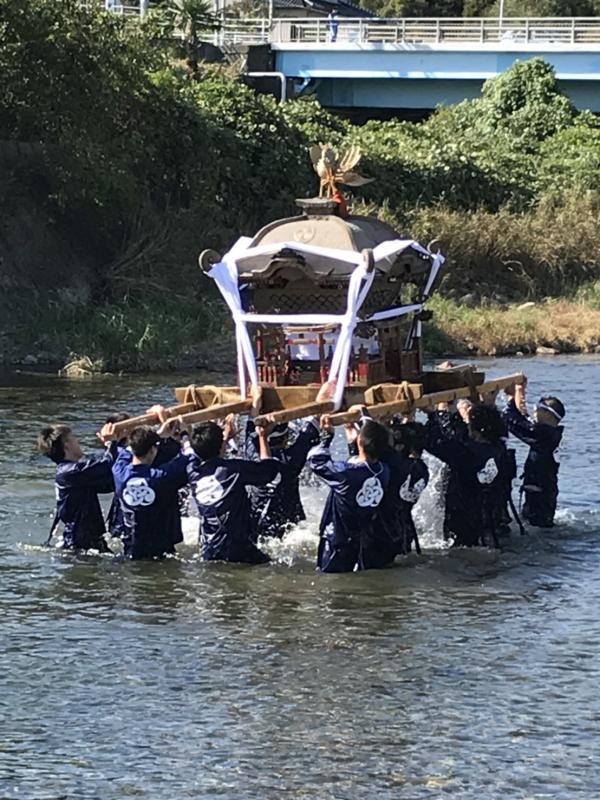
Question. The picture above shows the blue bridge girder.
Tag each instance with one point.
(419, 64)
(423, 76)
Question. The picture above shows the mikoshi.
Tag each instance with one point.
(322, 296)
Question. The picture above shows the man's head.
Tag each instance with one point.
(118, 416)
(485, 424)
(143, 441)
(207, 440)
(398, 431)
(278, 438)
(549, 411)
(372, 440)
(59, 443)
(463, 409)
(410, 438)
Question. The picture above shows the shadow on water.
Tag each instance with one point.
(466, 674)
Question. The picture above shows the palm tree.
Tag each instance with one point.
(189, 19)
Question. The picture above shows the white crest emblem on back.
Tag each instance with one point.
(138, 493)
(209, 491)
(557, 455)
(489, 473)
(370, 494)
(274, 483)
(410, 494)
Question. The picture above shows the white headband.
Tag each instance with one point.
(544, 407)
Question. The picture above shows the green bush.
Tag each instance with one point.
(131, 165)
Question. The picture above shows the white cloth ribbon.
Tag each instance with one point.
(226, 277)
(390, 313)
(225, 274)
(438, 260)
(386, 251)
(358, 289)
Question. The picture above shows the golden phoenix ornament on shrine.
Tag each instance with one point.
(335, 169)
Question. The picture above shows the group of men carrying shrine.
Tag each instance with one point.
(367, 520)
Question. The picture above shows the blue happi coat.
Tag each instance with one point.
(349, 538)
(408, 479)
(168, 448)
(452, 426)
(540, 475)
(476, 469)
(219, 487)
(78, 484)
(149, 504)
(278, 504)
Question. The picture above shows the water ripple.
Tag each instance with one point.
(460, 674)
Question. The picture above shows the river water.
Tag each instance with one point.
(460, 674)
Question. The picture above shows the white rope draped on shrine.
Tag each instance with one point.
(360, 283)
(225, 274)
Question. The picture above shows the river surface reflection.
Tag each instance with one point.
(460, 674)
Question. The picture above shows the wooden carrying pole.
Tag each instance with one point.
(216, 412)
(382, 410)
(151, 418)
(287, 414)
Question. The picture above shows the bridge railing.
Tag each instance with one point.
(484, 30)
(254, 30)
(404, 30)
(123, 8)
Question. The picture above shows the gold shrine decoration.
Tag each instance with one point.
(335, 168)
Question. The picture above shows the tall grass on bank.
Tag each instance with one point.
(547, 251)
(567, 326)
(180, 333)
(161, 334)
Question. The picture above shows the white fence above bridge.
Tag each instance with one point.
(562, 31)
(445, 31)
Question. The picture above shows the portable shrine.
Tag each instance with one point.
(326, 295)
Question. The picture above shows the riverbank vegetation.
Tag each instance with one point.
(570, 325)
(118, 164)
(483, 8)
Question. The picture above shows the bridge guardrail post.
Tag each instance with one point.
(361, 32)
(573, 32)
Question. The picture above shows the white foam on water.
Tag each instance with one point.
(428, 512)
(56, 549)
(299, 543)
(190, 527)
(566, 516)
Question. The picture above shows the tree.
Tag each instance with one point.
(476, 8)
(415, 8)
(549, 8)
(190, 18)
(484, 8)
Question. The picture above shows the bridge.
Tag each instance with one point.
(416, 64)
